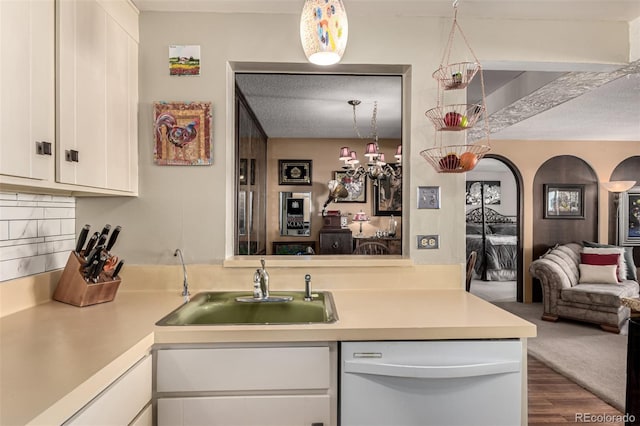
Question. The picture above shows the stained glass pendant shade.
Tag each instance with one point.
(324, 31)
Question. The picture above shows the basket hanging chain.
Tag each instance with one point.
(447, 53)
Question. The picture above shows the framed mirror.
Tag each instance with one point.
(295, 214)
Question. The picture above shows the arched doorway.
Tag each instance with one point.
(494, 229)
(560, 172)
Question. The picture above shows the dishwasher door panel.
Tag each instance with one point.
(431, 383)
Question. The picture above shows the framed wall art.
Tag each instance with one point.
(184, 60)
(387, 196)
(357, 188)
(563, 201)
(182, 133)
(629, 225)
(489, 188)
(294, 172)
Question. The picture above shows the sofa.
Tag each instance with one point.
(565, 296)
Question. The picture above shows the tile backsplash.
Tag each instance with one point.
(36, 233)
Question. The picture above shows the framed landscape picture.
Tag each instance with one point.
(563, 201)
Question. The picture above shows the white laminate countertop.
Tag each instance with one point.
(54, 358)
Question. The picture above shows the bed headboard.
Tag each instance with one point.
(490, 216)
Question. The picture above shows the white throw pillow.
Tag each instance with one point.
(622, 264)
(598, 274)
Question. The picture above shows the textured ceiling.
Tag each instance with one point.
(315, 106)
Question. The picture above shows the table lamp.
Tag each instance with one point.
(360, 217)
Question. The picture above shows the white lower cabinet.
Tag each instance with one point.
(265, 410)
(247, 385)
(123, 402)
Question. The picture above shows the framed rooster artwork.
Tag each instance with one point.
(182, 133)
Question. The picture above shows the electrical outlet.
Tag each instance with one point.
(428, 241)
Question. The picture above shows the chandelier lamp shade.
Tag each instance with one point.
(324, 30)
(376, 167)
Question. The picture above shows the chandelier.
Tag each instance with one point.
(376, 168)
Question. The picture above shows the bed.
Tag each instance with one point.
(496, 246)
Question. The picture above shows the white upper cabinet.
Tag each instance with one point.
(27, 87)
(97, 89)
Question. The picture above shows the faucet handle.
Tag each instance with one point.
(307, 288)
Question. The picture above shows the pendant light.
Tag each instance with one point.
(323, 31)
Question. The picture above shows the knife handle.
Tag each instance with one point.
(91, 243)
(118, 268)
(88, 272)
(97, 270)
(106, 229)
(114, 237)
(82, 238)
(102, 239)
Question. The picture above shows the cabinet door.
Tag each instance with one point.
(27, 87)
(121, 402)
(267, 410)
(97, 98)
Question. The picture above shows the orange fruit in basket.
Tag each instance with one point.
(468, 160)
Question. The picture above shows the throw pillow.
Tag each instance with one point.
(628, 258)
(601, 259)
(622, 265)
(597, 274)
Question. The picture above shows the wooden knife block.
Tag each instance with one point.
(74, 290)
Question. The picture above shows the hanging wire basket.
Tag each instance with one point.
(456, 76)
(455, 117)
(455, 158)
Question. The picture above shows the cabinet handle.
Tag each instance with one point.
(71, 155)
(317, 424)
(43, 148)
(335, 245)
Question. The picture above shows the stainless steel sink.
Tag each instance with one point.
(221, 308)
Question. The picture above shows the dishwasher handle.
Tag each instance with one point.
(431, 371)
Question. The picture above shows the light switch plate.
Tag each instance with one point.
(428, 241)
(428, 197)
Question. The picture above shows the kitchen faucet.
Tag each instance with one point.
(185, 284)
(263, 275)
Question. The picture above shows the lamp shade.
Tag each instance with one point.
(324, 31)
(618, 185)
(360, 217)
(345, 153)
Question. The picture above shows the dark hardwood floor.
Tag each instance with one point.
(555, 400)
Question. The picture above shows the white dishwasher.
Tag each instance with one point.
(440, 383)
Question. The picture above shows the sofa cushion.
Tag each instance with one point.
(600, 294)
(601, 259)
(628, 258)
(622, 264)
(598, 274)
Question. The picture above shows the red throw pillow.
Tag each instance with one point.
(600, 260)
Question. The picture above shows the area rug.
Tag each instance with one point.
(584, 353)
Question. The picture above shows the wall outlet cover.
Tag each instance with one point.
(428, 241)
(428, 197)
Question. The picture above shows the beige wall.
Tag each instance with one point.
(192, 207)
